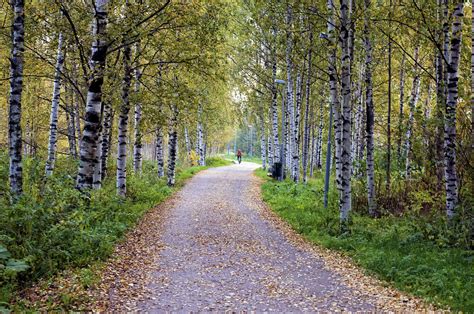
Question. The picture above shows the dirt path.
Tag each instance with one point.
(218, 248)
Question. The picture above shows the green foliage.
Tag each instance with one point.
(55, 227)
(423, 256)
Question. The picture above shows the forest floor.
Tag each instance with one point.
(215, 246)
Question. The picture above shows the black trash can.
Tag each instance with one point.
(276, 170)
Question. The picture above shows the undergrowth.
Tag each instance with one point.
(54, 227)
(416, 253)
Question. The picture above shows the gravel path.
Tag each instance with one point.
(219, 249)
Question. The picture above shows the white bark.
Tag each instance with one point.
(369, 104)
(200, 136)
(121, 183)
(451, 177)
(306, 133)
(187, 142)
(97, 176)
(296, 127)
(106, 139)
(415, 93)
(53, 121)
(172, 145)
(90, 135)
(400, 113)
(289, 91)
(263, 144)
(345, 200)
(274, 109)
(16, 89)
(159, 152)
(71, 123)
(137, 146)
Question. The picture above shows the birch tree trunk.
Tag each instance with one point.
(159, 152)
(123, 124)
(369, 111)
(263, 144)
(106, 139)
(187, 142)
(71, 123)
(450, 116)
(333, 99)
(319, 147)
(295, 136)
(137, 146)
(306, 135)
(16, 89)
(400, 113)
(412, 104)
(312, 149)
(346, 172)
(53, 120)
(97, 177)
(289, 89)
(358, 128)
(90, 136)
(269, 150)
(172, 145)
(274, 109)
(200, 136)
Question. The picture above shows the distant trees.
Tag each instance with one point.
(359, 48)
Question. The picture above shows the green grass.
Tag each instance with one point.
(54, 227)
(400, 250)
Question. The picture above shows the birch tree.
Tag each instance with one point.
(90, 135)
(159, 152)
(415, 94)
(369, 110)
(53, 123)
(450, 117)
(123, 124)
(289, 93)
(200, 138)
(172, 145)
(137, 146)
(400, 112)
(333, 98)
(16, 89)
(306, 127)
(346, 172)
(106, 139)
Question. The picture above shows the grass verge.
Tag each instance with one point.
(54, 227)
(399, 250)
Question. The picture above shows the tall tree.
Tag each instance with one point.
(137, 146)
(333, 96)
(289, 89)
(369, 104)
(90, 135)
(53, 121)
(306, 126)
(345, 200)
(450, 117)
(172, 145)
(123, 123)
(415, 94)
(16, 89)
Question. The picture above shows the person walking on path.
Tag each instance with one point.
(239, 156)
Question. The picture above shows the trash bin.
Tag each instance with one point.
(276, 170)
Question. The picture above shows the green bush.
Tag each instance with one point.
(416, 252)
